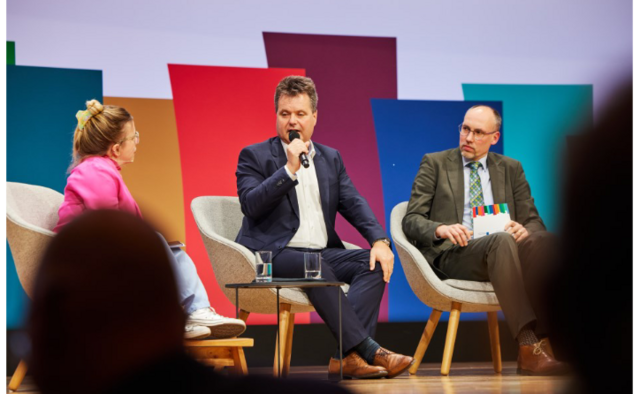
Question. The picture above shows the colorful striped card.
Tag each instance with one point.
(489, 219)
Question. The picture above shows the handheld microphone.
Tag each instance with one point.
(303, 156)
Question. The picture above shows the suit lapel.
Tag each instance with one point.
(322, 171)
(497, 174)
(280, 158)
(456, 181)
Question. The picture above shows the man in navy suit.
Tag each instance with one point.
(290, 210)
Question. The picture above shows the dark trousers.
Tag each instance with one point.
(517, 272)
(360, 310)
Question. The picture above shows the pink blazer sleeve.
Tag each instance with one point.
(95, 185)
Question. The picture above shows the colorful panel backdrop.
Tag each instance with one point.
(190, 143)
(407, 130)
(41, 107)
(539, 117)
(343, 69)
(219, 111)
(155, 178)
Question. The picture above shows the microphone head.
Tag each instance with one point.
(293, 134)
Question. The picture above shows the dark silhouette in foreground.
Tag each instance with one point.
(106, 318)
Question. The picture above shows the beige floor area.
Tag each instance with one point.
(464, 378)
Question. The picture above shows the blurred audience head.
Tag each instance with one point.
(590, 300)
(105, 303)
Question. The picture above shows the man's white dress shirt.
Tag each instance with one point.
(312, 233)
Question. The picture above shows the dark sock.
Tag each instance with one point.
(366, 349)
(526, 336)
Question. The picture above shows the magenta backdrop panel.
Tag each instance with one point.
(348, 72)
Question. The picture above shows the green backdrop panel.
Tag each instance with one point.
(537, 120)
(11, 52)
(41, 107)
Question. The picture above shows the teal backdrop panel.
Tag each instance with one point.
(41, 107)
(539, 118)
(406, 130)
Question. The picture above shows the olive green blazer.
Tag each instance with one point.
(437, 197)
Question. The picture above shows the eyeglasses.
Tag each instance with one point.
(478, 134)
(135, 137)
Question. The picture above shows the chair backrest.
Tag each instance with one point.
(32, 213)
(431, 290)
(218, 214)
(404, 247)
(219, 219)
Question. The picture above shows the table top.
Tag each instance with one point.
(282, 285)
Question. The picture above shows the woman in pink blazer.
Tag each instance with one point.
(105, 140)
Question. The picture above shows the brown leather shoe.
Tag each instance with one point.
(534, 360)
(354, 366)
(546, 346)
(393, 362)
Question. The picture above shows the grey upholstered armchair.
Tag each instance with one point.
(451, 295)
(32, 212)
(219, 220)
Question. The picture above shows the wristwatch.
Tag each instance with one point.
(385, 240)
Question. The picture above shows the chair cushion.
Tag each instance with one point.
(470, 285)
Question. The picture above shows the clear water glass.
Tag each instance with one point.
(263, 266)
(312, 265)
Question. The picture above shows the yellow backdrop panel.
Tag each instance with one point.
(155, 178)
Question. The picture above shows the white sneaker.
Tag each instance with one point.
(196, 332)
(220, 326)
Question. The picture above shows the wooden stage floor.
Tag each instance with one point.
(464, 378)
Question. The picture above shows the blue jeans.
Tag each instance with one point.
(191, 291)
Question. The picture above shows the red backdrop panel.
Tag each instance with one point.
(348, 72)
(219, 111)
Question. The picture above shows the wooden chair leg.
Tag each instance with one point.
(239, 362)
(285, 310)
(494, 336)
(452, 330)
(286, 356)
(18, 376)
(243, 315)
(426, 338)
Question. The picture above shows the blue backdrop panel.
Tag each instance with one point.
(539, 117)
(405, 131)
(41, 107)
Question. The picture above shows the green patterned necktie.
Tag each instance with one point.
(475, 187)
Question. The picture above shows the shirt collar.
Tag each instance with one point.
(312, 149)
(482, 161)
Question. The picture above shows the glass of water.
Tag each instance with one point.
(312, 265)
(263, 266)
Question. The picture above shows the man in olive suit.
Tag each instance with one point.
(438, 221)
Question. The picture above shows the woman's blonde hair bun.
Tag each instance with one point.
(94, 107)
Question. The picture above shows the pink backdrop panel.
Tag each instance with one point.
(348, 71)
(219, 111)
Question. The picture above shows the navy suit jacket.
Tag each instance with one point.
(270, 204)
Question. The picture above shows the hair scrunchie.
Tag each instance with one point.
(83, 117)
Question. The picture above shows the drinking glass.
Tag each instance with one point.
(263, 266)
(312, 265)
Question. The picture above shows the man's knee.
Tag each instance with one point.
(377, 271)
(327, 272)
(503, 240)
(376, 276)
(503, 249)
(541, 238)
